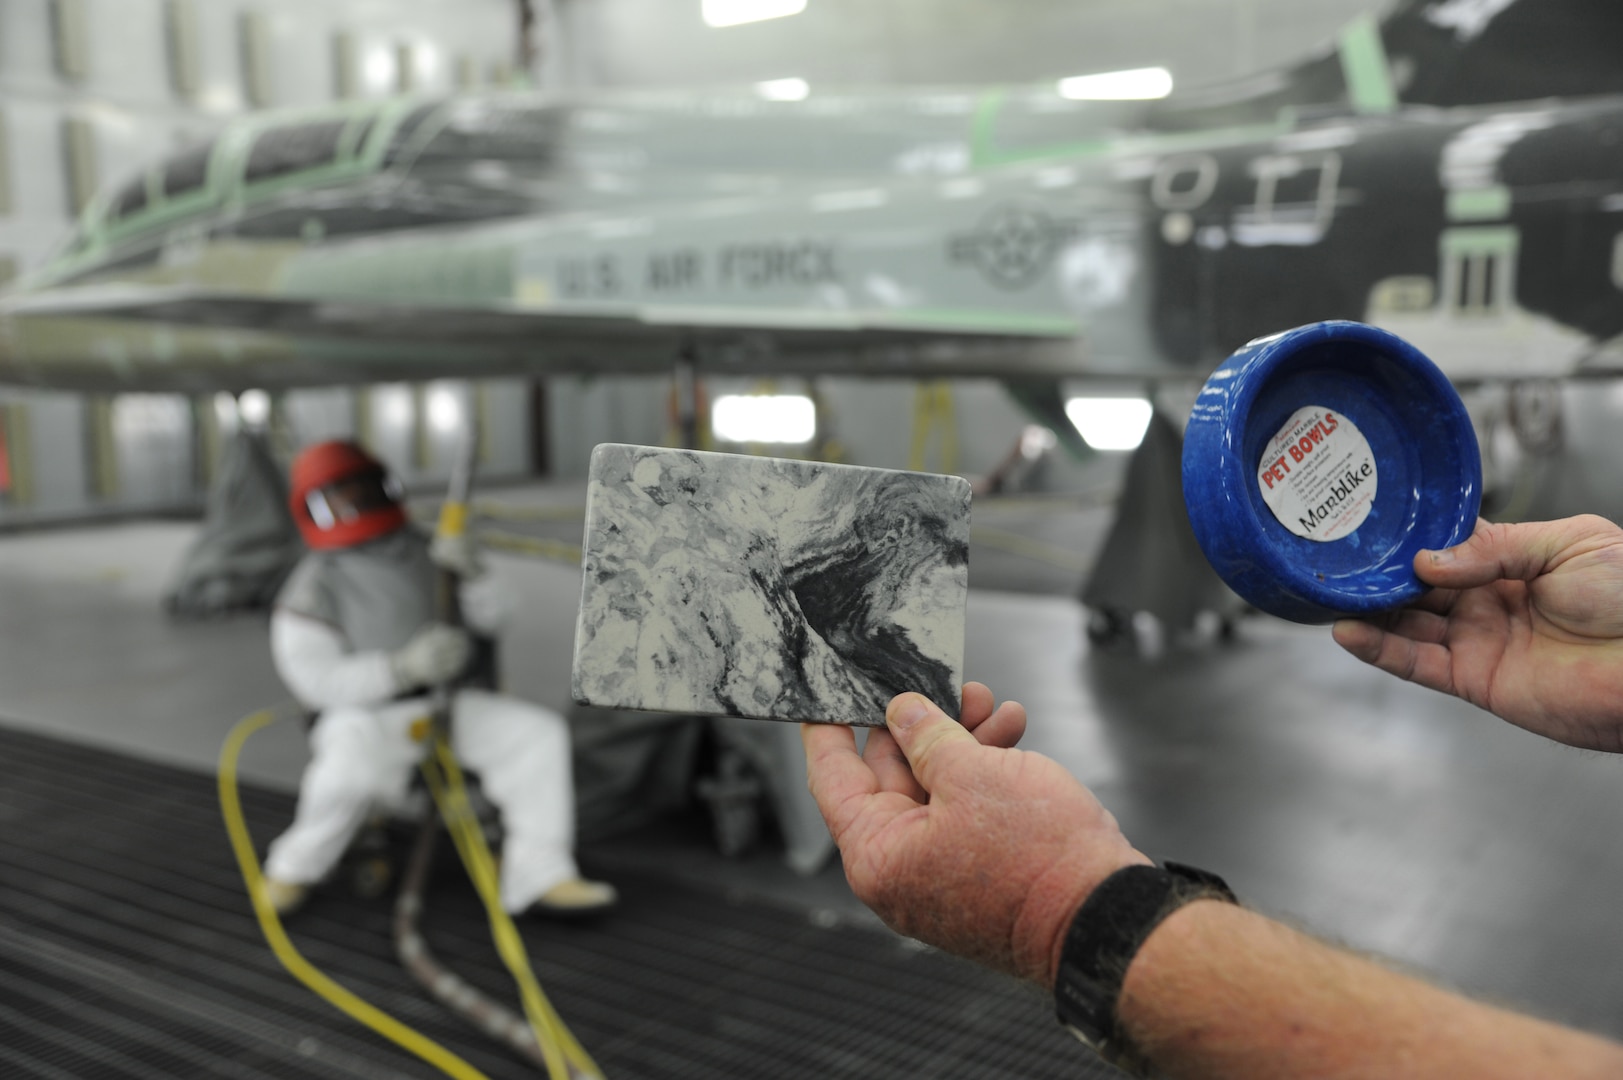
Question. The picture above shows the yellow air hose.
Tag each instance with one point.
(295, 963)
(564, 1055)
(565, 1058)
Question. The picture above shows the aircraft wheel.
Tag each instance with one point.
(1107, 628)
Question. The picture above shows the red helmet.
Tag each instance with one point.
(342, 496)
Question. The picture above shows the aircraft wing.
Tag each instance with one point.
(499, 337)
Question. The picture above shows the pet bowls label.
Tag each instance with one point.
(1318, 475)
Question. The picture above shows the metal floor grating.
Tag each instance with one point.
(128, 949)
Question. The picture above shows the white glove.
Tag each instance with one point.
(487, 602)
(437, 653)
(458, 554)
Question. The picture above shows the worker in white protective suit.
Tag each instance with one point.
(354, 636)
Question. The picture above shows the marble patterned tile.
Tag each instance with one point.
(729, 585)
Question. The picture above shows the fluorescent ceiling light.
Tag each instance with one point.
(378, 70)
(1138, 84)
(783, 89)
(444, 410)
(764, 418)
(861, 199)
(734, 12)
(426, 59)
(1110, 423)
(1035, 441)
(254, 407)
(394, 404)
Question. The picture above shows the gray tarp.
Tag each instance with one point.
(248, 542)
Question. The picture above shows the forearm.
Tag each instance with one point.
(1218, 991)
(312, 660)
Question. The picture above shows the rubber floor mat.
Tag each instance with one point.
(128, 949)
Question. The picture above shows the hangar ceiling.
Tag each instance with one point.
(660, 42)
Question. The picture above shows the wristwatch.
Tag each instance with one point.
(1112, 923)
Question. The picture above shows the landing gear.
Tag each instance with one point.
(1110, 629)
(1107, 628)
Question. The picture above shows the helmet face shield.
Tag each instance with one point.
(352, 509)
(320, 510)
(352, 498)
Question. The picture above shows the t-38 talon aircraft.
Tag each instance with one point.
(1453, 172)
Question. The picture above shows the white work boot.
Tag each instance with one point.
(575, 897)
(285, 897)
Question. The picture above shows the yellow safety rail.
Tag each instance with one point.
(933, 414)
(533, 546)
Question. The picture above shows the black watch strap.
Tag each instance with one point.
(1115, 919)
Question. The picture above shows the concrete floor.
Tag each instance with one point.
(1382, 816)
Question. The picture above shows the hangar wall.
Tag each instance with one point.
(869, 422)
(870, 42)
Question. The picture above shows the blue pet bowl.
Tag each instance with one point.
(1319, 460)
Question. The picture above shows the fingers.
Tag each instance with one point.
(1437, 601)
(975, 705)
(1420, 658)
(1359, 637)
(1365, 637)
(926, 735)
(1004, 728)
(1518, 552)
(890, 767)
(836, 774)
